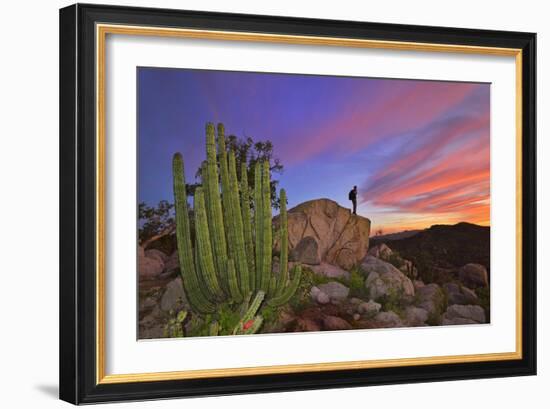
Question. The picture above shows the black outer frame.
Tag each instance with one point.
(77, 204)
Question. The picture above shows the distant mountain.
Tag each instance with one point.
(442, 249)
(394, 236)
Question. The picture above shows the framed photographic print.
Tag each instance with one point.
(257, 203)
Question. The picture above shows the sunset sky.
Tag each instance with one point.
(417, 150)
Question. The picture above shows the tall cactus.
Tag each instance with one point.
(190, 280)
(231, 260)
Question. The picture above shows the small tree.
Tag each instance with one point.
(250, 152)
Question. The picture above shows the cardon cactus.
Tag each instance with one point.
(232, 257)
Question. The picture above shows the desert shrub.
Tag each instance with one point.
(356, 283)
(434, 318)
(393, 301)
(174, 326)
(484, 300)
(395, 259)
(270, 314)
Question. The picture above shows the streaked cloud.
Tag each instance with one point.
(418, 150)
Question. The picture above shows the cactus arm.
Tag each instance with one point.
(189, 276)
(289, 291)
(214, 329)
(283, 232)
(214, 205)
(208, 270)
(272, 290)
(254, 306)
(227, 209)
(258, 223)
(249, 315)
(258, 321)
(241, 262)
(267, 241)
(247, 226)
(234, 290)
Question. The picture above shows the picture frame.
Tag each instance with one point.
(83, 181)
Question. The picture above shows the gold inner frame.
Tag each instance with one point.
(101, 33)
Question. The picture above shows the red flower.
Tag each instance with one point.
(248, 324)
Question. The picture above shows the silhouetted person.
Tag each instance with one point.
(353, 197)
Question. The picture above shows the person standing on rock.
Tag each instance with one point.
(353, 197)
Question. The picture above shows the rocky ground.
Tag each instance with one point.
(345, 285)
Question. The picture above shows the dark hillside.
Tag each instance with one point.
(444, 248)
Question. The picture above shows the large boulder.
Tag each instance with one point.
(149, 268)
(342, 238)
(383, 279)
(157, 254)
(306, 251)
(463, 314)
(473, 275)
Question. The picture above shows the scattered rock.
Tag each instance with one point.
(389, 319)
(336, 291)
(149, 268)
(319, 296)
(408, 268)
(151, 325)
(356, 317)
(457, 321)
(305, 324)
(459, 295)
(174, 296)
(380, 251)
(473, 275)
(332, 323)
(306, 251)
(383, 252)
(457, 313)
(323, 298)
(147, 304)
(355, 301)
(330, 270)
(416, 316)
(384, 279)
(369, 308)
(342, 238)
(418, 284)
(151, 333)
